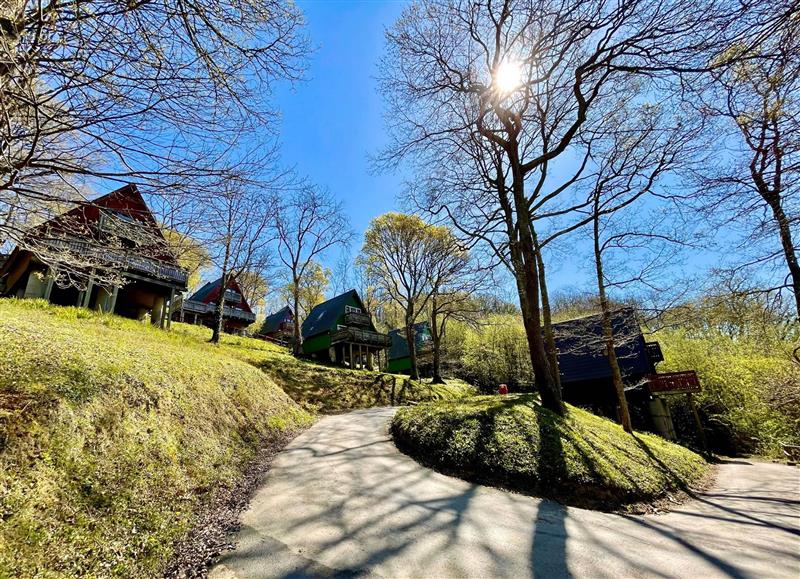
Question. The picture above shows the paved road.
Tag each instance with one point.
(342, 501)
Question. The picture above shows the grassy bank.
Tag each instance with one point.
(513, 442)
(114, 434)
(328, 388)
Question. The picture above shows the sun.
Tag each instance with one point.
(507, 77)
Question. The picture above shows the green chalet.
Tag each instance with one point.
(341, 331)
(400, 358)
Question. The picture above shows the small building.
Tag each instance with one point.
(399, 357)
(586, 378)
(115, 233)
(341, 331)
(201, 307)
(279, 327)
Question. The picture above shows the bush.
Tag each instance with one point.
(750, 402)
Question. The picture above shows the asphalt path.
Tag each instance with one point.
(342, 501)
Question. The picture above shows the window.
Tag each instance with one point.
(352, 310)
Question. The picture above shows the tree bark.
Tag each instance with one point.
(549, 338)
(298, 338)
(412, 350)
(787, 243)
(548, 390)
(219, 313)
(608, 331)
(437, 340)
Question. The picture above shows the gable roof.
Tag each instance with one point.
(211, 290)
(324, 316)
(581, 347)
(273, 321)
(399, 347)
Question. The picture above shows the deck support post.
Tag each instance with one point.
(87, 295)
(51, 277)
(351, 356)
(113, 302)
(171, 309)
(697, 422)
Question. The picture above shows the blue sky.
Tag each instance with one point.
(333, 121)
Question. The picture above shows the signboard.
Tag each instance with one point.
(673, 382)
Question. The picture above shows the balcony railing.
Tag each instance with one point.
(673, 382)
(359, 336)
(232, 296)
(194, 307)
(110, 256)
(357, 319)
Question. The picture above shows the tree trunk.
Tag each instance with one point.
(548, 389)
(412, 350)
(549, 338)
(219, 313)
(298, 338)
(608, 331)
(437, 341)
(787, 243)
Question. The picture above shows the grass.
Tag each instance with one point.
(513, 442)
(113, 434)
(328, 388)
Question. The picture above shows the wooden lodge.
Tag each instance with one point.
(201, 307)
(586, 378)
(115, 233)
(399, 357)
(279, 327)
(341, 331)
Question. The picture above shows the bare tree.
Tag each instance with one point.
(309, 223)
(525, 76)
(752, 179)
(238, 230)
(150, 93)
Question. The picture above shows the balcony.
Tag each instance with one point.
(673, 382)
(232, 296)
(194, 307)
(359, 336)
(357, 319)
(117, 257)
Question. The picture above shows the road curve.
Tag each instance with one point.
(340, 500)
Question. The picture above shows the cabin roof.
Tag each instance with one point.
(324, 316)
(581, 347)
(273, 321)
(399, 347)
(210, 291)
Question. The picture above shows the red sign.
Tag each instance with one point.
(673, 382)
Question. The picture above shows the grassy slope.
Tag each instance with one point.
(112, 434)
(325, 388)
(513, 442)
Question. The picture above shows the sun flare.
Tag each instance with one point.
(507, 77)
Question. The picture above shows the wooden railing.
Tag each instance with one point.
(118, 257)
(194, 307)
(359, 336)
(357, 319)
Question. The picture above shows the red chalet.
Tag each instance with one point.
(201, 306)
(108, 254)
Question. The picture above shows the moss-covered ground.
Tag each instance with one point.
(513, 442)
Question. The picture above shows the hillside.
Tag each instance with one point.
(513, 442)
(114, 435)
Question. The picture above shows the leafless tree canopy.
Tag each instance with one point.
(156, 92)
